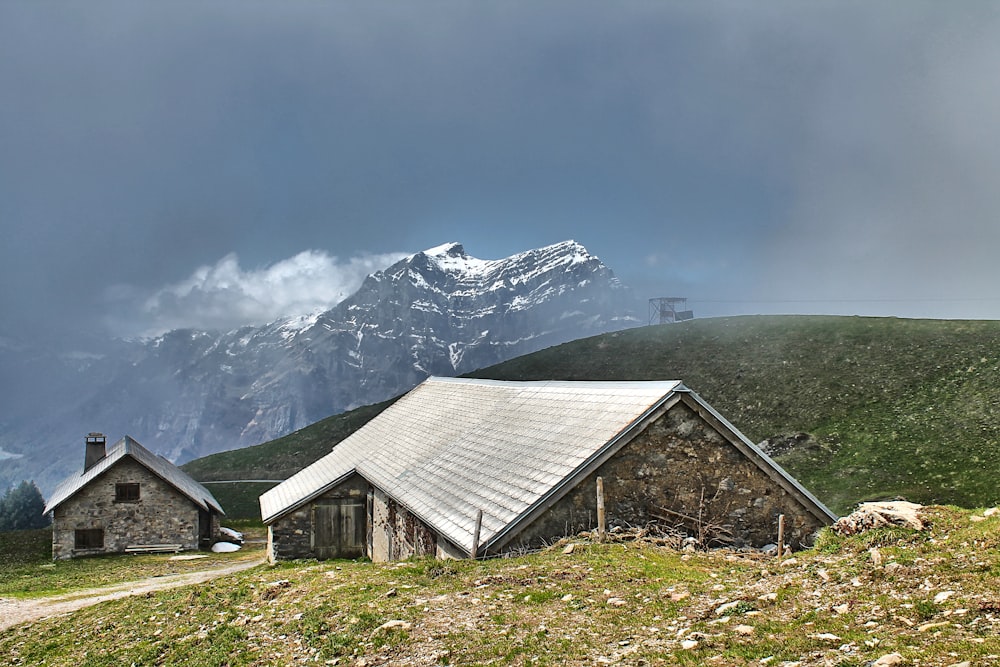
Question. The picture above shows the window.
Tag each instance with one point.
(127, 493)
(89, 538)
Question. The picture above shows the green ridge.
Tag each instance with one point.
(882, 407)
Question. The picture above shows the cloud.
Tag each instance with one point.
(226, 296)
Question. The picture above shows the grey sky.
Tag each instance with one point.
(830, 157)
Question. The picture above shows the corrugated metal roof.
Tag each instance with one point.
(157, 465)
(453, 446)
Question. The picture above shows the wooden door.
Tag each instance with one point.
(339, 528)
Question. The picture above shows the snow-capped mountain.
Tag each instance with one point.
(190, 393)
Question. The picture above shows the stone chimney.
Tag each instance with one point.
(95, 450)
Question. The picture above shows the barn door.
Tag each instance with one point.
(339, 528)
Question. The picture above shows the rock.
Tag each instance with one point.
(869, 516)
(744, 629)
(842, 608)
(826, 636)
(876, 556)
(888, 660)
(616, 602)
(569, 548)
(942, 596)
(393, 624)
(723, 608)
(689, 644)
(990, 512)
(975, 518)
(930, 626)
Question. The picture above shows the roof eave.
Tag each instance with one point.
(288, 509)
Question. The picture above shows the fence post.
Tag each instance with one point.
(601, 527)
(781, 535)
(475, 535)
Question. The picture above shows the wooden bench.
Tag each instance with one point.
(153, 548)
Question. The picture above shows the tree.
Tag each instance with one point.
(21, 508)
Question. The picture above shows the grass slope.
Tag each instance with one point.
(892, 407)
(932, 597)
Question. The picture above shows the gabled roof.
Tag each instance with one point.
(454, 446)
(159, 466)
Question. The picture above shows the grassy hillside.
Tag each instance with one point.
(881, 407)
(931, 597)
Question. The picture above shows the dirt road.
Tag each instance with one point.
(16, 611)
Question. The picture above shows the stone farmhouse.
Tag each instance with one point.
(463, 467)
(128, 499)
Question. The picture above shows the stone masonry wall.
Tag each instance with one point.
(396, 533)
(291, 536)
(680, 465)
(162, 515)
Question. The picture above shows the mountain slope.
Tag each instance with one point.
(856, 408)
(190, 393)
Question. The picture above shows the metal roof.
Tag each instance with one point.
(157, 465)
(454, 446)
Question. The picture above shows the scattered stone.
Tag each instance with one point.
(991, 511)
(393, 624)
(975, 518)
(930, 626)
(616, 602)
(888, 660)
(826, 636)
(744, 629)
(964, 663)
(790, 561)
(689, 644)
(677, 597)
(942, 596)
(567, 597)
(823, 574)
(569, 548)
(723, 608)
(768, 597)
(876, 556)
(842, 608)
(391, 593)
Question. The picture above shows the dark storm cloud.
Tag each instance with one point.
(773, 156)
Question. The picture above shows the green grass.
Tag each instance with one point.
(893, 407)
(240, 500)
(28, 571)
(624, 603)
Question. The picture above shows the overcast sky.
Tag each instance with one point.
(207, 164)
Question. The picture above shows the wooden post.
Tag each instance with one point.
(781, 535)
(475, 535)
(600, 510)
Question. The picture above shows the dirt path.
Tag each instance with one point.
(15, 611)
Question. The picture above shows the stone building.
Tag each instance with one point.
(462, 467)
(128, 499)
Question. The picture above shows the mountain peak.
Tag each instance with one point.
(452, 249)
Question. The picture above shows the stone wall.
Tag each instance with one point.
(162, 515)
(396, 533)
(291, 536)
(683, 469)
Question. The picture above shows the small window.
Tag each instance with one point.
(127, 493)
(89, 538)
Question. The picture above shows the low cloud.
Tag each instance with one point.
(225, 296)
